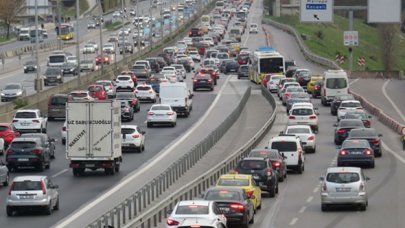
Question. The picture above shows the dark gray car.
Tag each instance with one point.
(70, 68)
(46, 142)
(53, 75)
(30, 66)
(141, 71)
(12, 91)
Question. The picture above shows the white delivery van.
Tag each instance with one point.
(178, 96)
(93, 136)
(335, 82)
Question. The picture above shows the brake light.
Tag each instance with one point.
(367, 152)
(269, 172)
(171, 222)
(150, 91)
(291, 117)
(15, 121)
(9, 151)
(195, 80)
(105, 59)
(311, 137)
(11, 188)
(359, 108)
(276, 164)
(237, 207)
(366, 123)
(151, 113)
(312, 117)
(343, 152)
(362, 187)
(135, 136)
(279, 86)
(36, 151)
(342, 108)
(43, 187)
(286, 94)
(209, 80)
(249, 194)
(341, 131)
(375, 141)
(170, 113)
(324, 188)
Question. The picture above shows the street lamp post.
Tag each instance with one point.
(78, 42)
(38, 81)
(137, 26)
(100, 20)
(123, 34)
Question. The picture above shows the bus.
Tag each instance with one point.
(66, 32)
(266, 60)
(57, 59)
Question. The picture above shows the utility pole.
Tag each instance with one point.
(350, 48)
(123, 34)
(38, 81)
(101, 37)
(78, 42)
(137, 26)
(59, 23)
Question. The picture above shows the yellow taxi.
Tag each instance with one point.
(311, 83)
(245, 182)
(189, 48)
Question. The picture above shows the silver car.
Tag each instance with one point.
(4, 174)
(344, 186)
(12, 91)
(161, 114)
(32, 193)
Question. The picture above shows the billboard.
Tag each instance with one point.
(43, 7)
(384, 11)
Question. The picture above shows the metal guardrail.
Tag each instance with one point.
(154, 215)
(304, 49)
(133, 206)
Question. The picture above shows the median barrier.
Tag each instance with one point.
(156, 214)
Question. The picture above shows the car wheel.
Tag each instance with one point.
(48, 210)
(252, 220)
(47, 166)
(300, 169)
(56, 207)
(40, 167)
(272, 191)
(5, 183)
(281, 178)
(173, 124)
(372, 164)
(363, 207)
(63, 141)
(149, 125)
(117, 168)
(324, 207)
(10, 211)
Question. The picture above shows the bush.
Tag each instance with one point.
(19, 103)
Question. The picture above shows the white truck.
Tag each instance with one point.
(93, 136)
(177, 96)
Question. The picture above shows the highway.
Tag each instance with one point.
(15, 72)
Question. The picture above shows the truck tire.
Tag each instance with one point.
(117, 168)
(78, 172)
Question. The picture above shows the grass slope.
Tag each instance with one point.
(327, 40)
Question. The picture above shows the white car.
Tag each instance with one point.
(346, 106)
(209, 40)
(195, 56)
(132, 138)
(253, 28)
(303, 115)
(145, 92)
(168, 70)
(196, 213)
(308, 138)
(181, 71)
(109, 48)
(1, 146)
(188, 41)
(124, 81)
(63, 133)
(273, 82)
(95, 45)
(30, 120)
(173, 77)
(72, 60)
(89, 49)
(161, 114)
(344, 186)
(291, 148)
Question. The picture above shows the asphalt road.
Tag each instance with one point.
(17, 75)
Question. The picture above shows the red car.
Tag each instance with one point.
(104, 60)
(97, 91)
(266, 79)
(243, 59)
(214, 72)
(8, 133)
(133, 76)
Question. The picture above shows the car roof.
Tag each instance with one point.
(194, 202)
(343, 169)
(253, 159)
(298, 126)
(235, 176)
(240, 190)
(129, 126)
(31, 178)
(350, 101)
(284, 138)
(27, 139)
(28, 110)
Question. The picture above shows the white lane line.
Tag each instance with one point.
(293, 221)
(354, 81)
(392, 102)
(310, 199)
(60, 173)
(302, 209)
(316, 189)
(389, 150)
(78, 213)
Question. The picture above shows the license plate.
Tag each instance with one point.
(224, 209)
(26, 197)
(23, 159)
(342, 189)
(125, 144)
(90, 165)
(356, 152)
(302, 123)
(25, 123)
(256, 177)
(159, 115)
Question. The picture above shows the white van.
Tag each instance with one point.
(291, 149)
(335, 82)
(177, 96)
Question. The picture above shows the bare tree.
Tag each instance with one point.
(9, 10)
(387, 33)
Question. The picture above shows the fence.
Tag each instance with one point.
(154, 215)
(131, 207)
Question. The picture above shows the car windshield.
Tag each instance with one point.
(27, 186)
(222, 195)
(22, 145)
(252, 165)
(283, 146)
(25, 115)
(342, 178)
(233, 182)
(336, 83)
(12, 86)
(298, 131)
(192, 210)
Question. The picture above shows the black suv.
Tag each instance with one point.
(46, 142)
(371, 135)
(154, 64)
(262, 171)
(53, 75)
(27, 152)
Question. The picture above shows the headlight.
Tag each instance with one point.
(58, 77)
(35, 67)
(25, 67)
(2, 94)
(19, 93)
(73, 69)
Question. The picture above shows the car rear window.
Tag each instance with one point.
(127, 131)
(351, 123)
(222, 195)
(302, 111)
(123, 78)
(25, 115)
(192, 210)
(298, 131)
(283, 146)
(342, 178)
(94, 88)
(350, 104)
(23, 145)
(156, 108)
(27, 186)
(233, 182)
(363, 133)
(144, 88)
(58, 100)
(355, 144)
(252, 165)
(124, 96)
(3, 128)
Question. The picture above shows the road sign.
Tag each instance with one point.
(350, 38)
(361, 61)
(316, 11)
(387, 11)
(340, 58)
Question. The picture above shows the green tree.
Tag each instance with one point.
(9, 10)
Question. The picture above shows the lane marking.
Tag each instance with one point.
(293, 221)
(354, 81)
(83, 210)
(302, 209)
(316, 189)
(391, 101)
(386, 148)
(310, 199)
(60, 173)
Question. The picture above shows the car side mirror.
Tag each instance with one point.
(321, 178)
(335, 125)
(266, 147)
(169, 211)
(380, 135)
